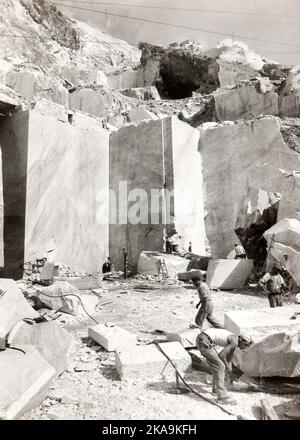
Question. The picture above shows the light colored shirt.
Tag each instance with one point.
(268, 277)
(273, 283)
(219, 336)
(239, 250)
(204, 292)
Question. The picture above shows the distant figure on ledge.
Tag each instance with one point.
(168, 246)
(239, 251)
(107, 266)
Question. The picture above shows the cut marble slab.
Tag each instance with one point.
(13, 308)
(145, 362)
(149, 263)
(228, 274)
(112, 337)
(24, 381)
(260, 323)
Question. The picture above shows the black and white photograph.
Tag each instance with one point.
(149, 213)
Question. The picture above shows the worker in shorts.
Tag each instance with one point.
(218, 346)
(206, 303)
(273, 284)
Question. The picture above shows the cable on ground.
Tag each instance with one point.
(189, 387)
(63, 296)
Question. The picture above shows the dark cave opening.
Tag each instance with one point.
(182, 73)
(251, 236)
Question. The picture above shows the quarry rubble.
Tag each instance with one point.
(81, 113)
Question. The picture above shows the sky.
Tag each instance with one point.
(274, 20)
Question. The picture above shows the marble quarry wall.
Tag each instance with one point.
(67, 172)
(188, 183)
(89, 101)
(232, 73)
(128, 79)
(245, 101)
(31, 84)
(290, 105)
(137, 160)
(236, 158)
(153, 155)
(1, 212)
(14, 145)
(54, 178)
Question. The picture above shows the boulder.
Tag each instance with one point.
(13, 308)
(276, 355)
(149, 263)
(284, 238)
(144, 362)
(24, 381)
(228, 274)
(90, 303)
(55, 345)
(55, 298)
(260, 323)
(286, 232)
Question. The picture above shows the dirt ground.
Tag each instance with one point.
(98, 393)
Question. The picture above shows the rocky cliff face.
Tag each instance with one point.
(239, 158)
(60, 28)
(233, 160)
(37, 35)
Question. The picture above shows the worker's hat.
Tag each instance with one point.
(246, 338)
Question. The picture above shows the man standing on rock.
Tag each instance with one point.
(274, 285)
(217, 346)
(206, 303)
(239, 251)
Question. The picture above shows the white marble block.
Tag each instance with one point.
(144, 362)
(112, 338)
(228, 274)
(24, 381)
(13, 308)
(262, 322)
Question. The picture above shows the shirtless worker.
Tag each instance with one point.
(206, 304)
(217, 346)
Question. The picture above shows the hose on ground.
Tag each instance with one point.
(189, 387)
(63, 296)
